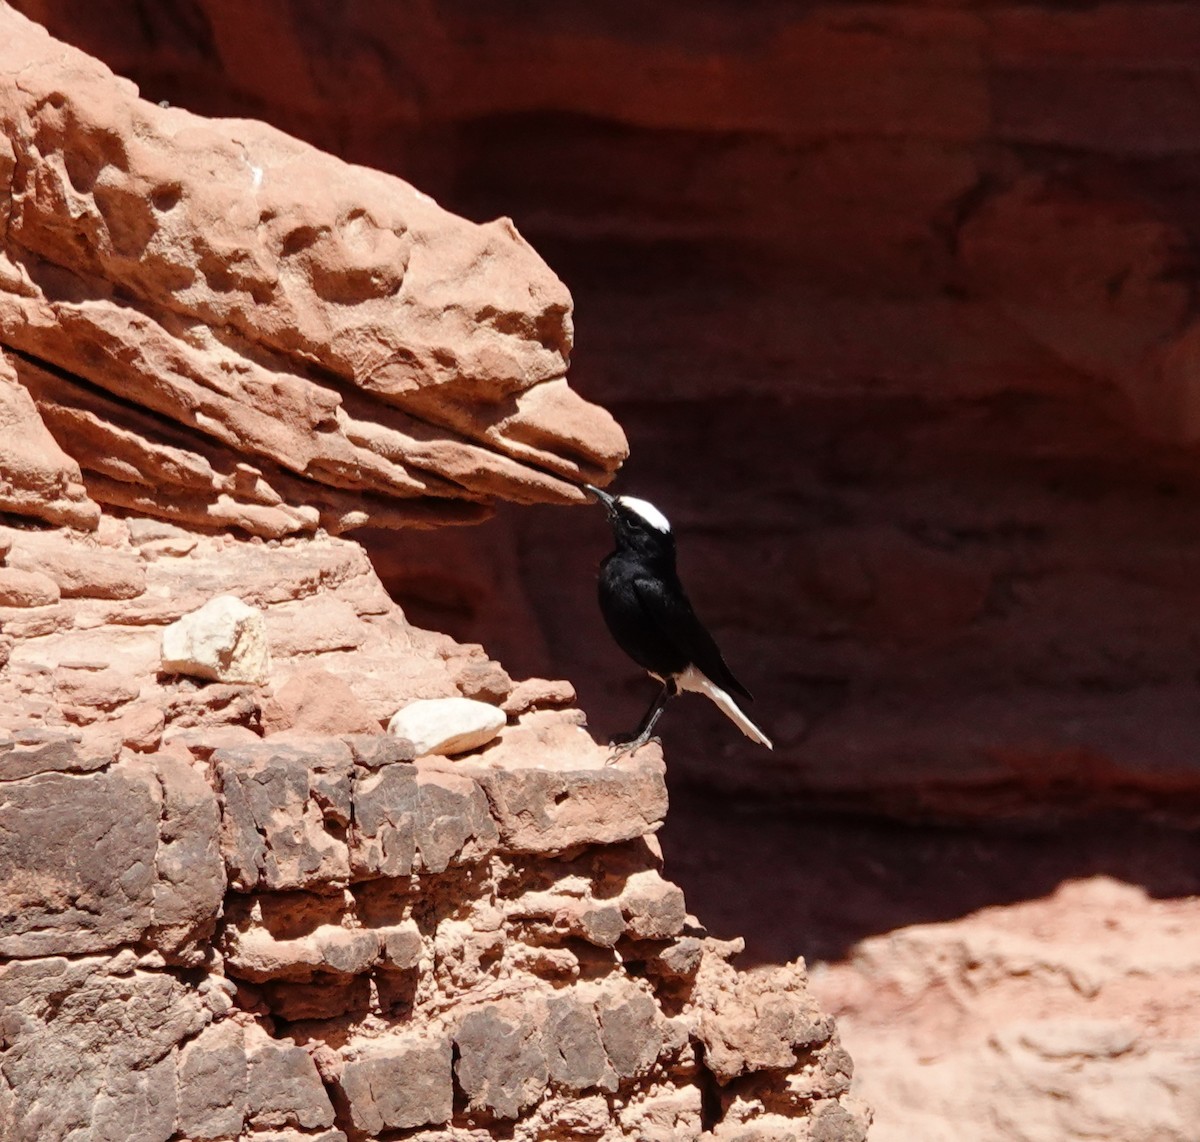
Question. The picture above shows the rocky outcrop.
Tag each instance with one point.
(1048, 1011)
(897, 304)
(225, 327)
(230, 911)
(238, 907)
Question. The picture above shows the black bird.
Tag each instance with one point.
(646, 609)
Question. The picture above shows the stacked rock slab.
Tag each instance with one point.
(228, 918)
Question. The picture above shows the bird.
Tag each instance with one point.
(649, 616)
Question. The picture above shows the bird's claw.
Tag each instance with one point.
(621, 749)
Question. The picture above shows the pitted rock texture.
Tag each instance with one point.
(228, 920)
(223, 326)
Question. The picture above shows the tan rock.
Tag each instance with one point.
(81, 568)
(31, 750)
(257, 956)
(27, 588)
(316, 702)
(502, 1065)
(283, 1087)
(561, 804)
(399, 1082)
(77, 861)
(86, 693)
(224, 640)
(37, 478)
(535, 693)
(141, 727)
(109, 1053)
(277, 801)
(447, 726)
(409, 818)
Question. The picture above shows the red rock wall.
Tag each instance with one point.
(236, 906)
(895, 302)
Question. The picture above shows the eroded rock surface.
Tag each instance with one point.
(224, 923)
(222, 326)
(238, 907)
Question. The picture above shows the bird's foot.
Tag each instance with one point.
(622, 748)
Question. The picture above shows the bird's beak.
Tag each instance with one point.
(609, 502)
(602, 496)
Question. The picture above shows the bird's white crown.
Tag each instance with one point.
(647, 511)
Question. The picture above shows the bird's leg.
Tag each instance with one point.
(646, 729)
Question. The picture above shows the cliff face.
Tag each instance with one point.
(231, 328)
(234, 907)
(896, 303)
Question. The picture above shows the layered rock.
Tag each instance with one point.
(231, 912)
(225, 327)
(896, 303)
(238, 907)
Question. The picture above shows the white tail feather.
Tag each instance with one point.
(698, 683)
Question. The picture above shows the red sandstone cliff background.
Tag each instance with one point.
(896, 303)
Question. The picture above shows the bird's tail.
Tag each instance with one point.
(699, 683)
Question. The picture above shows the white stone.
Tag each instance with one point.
(447, 725)
(225, 641)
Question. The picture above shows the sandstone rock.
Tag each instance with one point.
(398, 1083)
(631, 1030)
(316, 702)
(447, 726)
(77, 861)
(408, 819)
(194, 705)
(484, 682)
(27, 588)
(501, 1064)
(755, 1021)
(551, 809)
(576, 1054)
(358, 385)
(374, 751)
(534, 693)
(314, 626)
(108, 1054)
(257, 956)
(81, 568)
(225, 329)
(30, 751)
(141, 727)
(275, 830)
(224, 640)
(189, 887)
(282, 1085)
(87, 693)
(211, 1091)
(37, 478)
(653, 908)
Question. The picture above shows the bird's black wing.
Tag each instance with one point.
(667, 607)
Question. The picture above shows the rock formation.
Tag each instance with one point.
(235, 907)
(897, 305)
(232, 329)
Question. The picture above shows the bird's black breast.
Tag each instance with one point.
(636, 631)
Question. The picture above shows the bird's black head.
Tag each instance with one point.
(637, 525)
